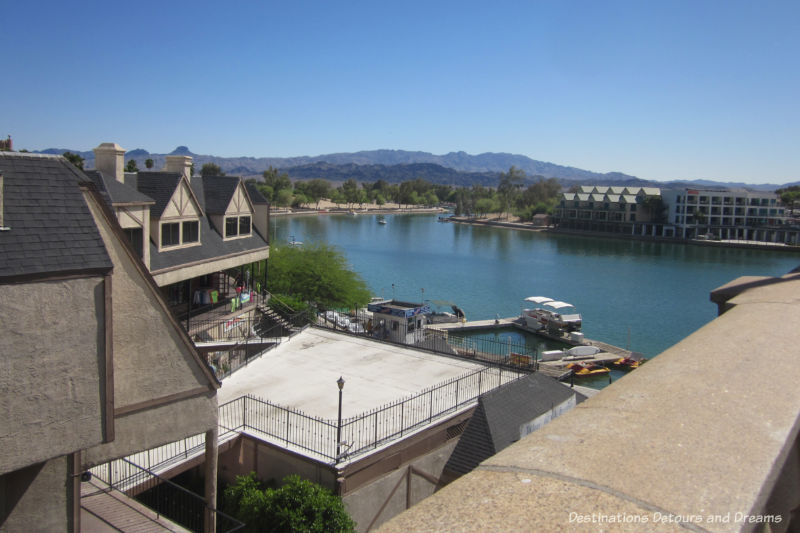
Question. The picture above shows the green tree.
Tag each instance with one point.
(317, 272)
(298, 505)
(509, 186)
(211, 169)
(283, 198)
(75, 159)
(148, 163)
(277, 181)
(315, 190)
(131, 166)
(484, 205)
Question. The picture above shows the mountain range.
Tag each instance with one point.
(454, 168)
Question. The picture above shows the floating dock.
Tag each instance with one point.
(608, 353)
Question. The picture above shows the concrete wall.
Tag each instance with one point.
(52, 354)
(34, 499)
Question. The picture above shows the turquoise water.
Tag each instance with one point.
(642, 295)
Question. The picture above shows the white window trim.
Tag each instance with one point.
(181, 244)
(238, 235)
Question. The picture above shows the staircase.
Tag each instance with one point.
(271, 324)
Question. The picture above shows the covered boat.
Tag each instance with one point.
(550, 313)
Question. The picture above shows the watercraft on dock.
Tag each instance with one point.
(550, 314)
(587, 369)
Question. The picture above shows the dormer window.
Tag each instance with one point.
(184, 233)
(238, 226)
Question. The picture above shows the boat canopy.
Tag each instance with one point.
(539, 299)
(558, 305)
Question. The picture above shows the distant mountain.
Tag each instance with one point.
(454, 168)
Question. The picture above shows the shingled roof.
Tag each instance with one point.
(51, 230)
(160, 186)
(218, 191)
(116, 193)
(500, 416)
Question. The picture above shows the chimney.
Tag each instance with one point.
(109, 158)
(181, 164)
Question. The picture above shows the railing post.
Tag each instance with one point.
(244, 411)
(457, 382)
(430, 401)
(480, 376)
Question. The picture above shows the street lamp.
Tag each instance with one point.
(340, 384)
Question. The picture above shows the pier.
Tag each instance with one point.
(608, 353)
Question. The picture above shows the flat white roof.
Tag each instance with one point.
(302, 373)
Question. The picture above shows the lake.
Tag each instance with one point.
(645, 296)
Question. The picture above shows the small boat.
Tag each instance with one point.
(381, 220)
(352, 213)
(635, 360)
(550, 313)
(587, 369)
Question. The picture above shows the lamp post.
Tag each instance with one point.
(340, 384)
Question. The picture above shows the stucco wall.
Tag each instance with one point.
(152, 362)
(251, 455)
(34, 499)
(156, 426)
(364, 503)
(52, 353)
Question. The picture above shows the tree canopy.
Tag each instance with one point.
(298, 505)
(131, 166)
(75, 159)
(316, 273)
(211, 169)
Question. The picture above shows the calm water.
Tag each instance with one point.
(643, 295)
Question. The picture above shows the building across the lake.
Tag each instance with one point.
(685, 213)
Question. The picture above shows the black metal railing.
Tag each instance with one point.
(164, 497)
(448, 342)
(366, 431)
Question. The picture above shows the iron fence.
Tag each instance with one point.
(366, 431)
(161, 495)
(449, 342)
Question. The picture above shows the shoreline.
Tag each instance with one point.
(365, 211)
(749, 245)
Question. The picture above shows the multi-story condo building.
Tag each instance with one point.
(687, 213)
(727, 214)
(626, 210)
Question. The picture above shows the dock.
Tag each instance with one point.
(608, 353)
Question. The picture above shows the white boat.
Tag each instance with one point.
(549, 313)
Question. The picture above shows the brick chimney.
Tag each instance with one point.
(181, 164)
(109, 158)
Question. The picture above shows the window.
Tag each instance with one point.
(177, 233)
(244, 225)
(170, 234)
(237, 226)
(191, 231)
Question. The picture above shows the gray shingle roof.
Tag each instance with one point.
(52, 230)
(213, 245)
(218, 191)
(496, 422)
(159, 186)
(255, 195)
(115, 192)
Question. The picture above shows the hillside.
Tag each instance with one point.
(393, 166)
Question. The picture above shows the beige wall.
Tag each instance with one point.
(154, 364)
(35, 499)
(52, 354)
(268, 462)
(364, 503)
(261, 220)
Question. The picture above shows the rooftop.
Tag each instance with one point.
(302, 373)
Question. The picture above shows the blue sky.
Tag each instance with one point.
(661, 90)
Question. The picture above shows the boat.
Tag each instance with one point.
(381, 220)
(635, 360)
(550, 313)
(587, 369)
(438, 316)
